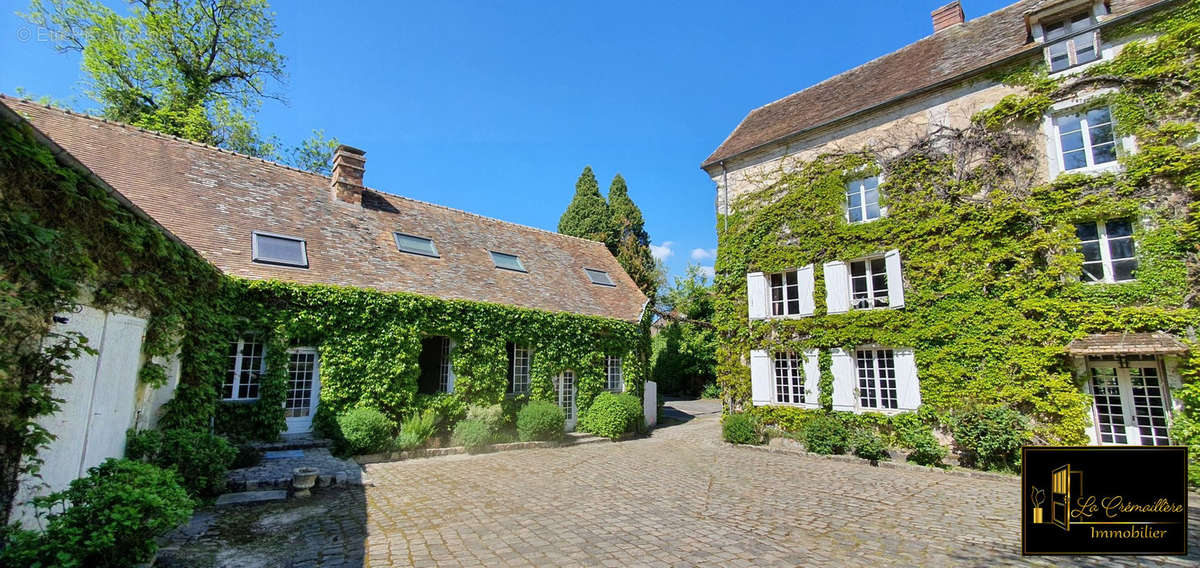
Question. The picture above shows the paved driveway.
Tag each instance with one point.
(677, 498)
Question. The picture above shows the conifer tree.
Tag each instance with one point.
(632, 241)
(588, 216)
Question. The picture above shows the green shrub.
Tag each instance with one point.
(364, 430)
(711, 390)
(472, 434)
(633, 405)
(116, 514)
(511, 406)
(607, 417)
(200, 458)
(925, 449)
(868, 445)
(492, 415)
(449, 409)
(786, 418)
(741, 428)
(990, 438)
(540, 420)
(416, 430)
(826, 434)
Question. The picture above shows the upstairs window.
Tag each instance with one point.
(518, 369)
(785, 294)
(247, 365)
(868, 284)
(279, 249)
(599, 277)
(416, 245)
(507, 261)
(1086, 139)
(1107, 248)
(862, 200)
(1065, 47)
(614, 377)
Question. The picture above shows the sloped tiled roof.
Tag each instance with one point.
(213, 200)
(1155, 343)
(946, 55)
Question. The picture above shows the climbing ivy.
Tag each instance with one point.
(990, 266)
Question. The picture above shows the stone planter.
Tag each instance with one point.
(303, 479)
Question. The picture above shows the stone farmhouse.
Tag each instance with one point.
(261, 222)
(857, 281)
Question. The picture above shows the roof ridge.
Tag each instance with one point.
(154, 134)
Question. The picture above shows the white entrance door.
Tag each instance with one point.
(1130, 403)
(564, 386)
(304, 388)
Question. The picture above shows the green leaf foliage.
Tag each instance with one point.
(741, 428)
(990, 438)
(611, 416)
(826, 434)
(200, 458)
(364, 430)
(540, 420)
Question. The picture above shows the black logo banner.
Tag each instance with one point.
(1104, 500)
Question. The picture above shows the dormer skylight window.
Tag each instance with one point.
(507, 261)
(599, 277)
(1065, 46)
(416, 245)
(267, 248)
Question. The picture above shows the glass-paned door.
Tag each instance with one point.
(304, 387)
(1130, 403)
(564, 386)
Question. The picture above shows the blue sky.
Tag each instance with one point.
(495, 107)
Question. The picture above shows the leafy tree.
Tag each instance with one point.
(685, 349)
(588, 216)
(632, 241)
(314, 153)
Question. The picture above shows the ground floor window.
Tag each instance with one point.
(789, 378)
(302, 372)
(564, 386)
(437, 370)
(518, 369)
(247, 365)
(615, 378)
(1130, 400)
(876, 369)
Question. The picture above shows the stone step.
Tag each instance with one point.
(251, 497)
(292, 442)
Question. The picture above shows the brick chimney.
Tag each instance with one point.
(947, 16)
(347, 177)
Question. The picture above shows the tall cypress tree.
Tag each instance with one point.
(632, 241)
(588, 216)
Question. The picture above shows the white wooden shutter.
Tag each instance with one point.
(805, 278)
(812, 378)
(837, 288)
(895, 280)
(450, 371)
(756, 294)
(760, 377)
(843, 380)
(907, 385)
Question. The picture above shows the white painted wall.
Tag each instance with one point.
(99, 405)
(650, 403)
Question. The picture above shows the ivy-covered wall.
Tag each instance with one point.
(990, 261)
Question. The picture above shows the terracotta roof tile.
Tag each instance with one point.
(951, 53)
(213, 199)
(1155, 343)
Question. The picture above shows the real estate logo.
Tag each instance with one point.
(1104, 500)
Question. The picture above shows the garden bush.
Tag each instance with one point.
(868, 445)
(990, 438)
(608, 416)
(115, 515)
(416, 430)
(540, 420)
(449, 409)
(200, 458)
(826, 434)
(472, 434)
(511, 405)
(711, 390)
(925, 449)
(741, 428)
(364, 430)
(786, 418)
(633, 405)
(492, 416)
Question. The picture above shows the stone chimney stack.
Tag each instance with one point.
(947, 16)
(347, 177)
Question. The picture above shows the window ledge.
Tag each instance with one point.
(1110, 167)
(239, 400)
(796, 404)
(786, 317)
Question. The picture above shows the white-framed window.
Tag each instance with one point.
(247, 365)
(564, 388)
(599, 277)
(781, 295)
(1129, 400)
(445, 367)
(876, 372)
(302, 374)
(785, 293)
(1085, 139)
(1066, 47)
(519, 358)
(507, 261)
(1107, 247)
(416, 245)
(267, 248)
(862, 200)
(789, 378)
(868, 284)
(614, 376)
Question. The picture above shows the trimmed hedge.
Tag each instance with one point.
(540, 420)
(364, 430)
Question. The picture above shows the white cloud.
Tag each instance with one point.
(663, 251)
(708, 271)
(703, 254)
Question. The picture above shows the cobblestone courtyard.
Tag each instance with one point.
(679, 497)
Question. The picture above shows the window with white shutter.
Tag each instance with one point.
(880, 379)
(760, 377)
(782, 294)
